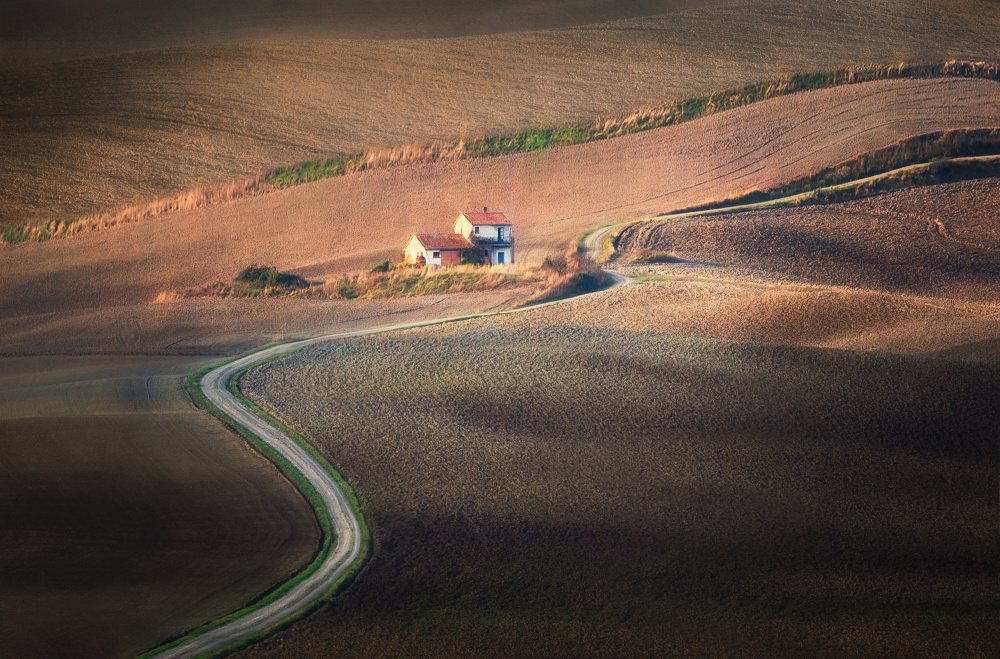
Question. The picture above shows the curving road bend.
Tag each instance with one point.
(346, 527)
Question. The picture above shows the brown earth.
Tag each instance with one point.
(549, 484)
(95, 293)
(126, 514)
(97, 286)
(55, 30)
(938, 241)
(726, 459)
(92, 134)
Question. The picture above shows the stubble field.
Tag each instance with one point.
(92, 134)
(104, 282)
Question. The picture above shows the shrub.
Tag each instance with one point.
(557, 265)
(472, 256)
(384, 266)
(263, 277)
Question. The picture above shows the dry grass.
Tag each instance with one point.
(126, 515)
(83, 137)
(554, 279)
(537, 486)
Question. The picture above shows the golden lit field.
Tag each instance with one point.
(126, 514)
(940, 240)
(244, 96)
(773, 487)
(102, 283)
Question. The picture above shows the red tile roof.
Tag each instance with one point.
(444, 241)
(487, 218)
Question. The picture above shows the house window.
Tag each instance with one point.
(486, 252)
(476, 229)
(436, 255)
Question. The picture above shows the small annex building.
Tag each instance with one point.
(486, 237)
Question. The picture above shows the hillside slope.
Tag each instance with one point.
(94, 134)
(552, 196)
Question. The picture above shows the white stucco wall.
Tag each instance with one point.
(507, 255)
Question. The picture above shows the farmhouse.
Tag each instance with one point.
(476, 238)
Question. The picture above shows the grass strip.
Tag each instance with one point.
(668, 115)
(926, 148)
(933, 173)
(306, 489)
(530, 140)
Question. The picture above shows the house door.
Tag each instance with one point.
(499, 257)
(499, 234)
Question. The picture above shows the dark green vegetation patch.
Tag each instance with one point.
(570, 491)
(262, 277)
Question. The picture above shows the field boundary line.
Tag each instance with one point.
(346, 543)
(792, 200)
(641, 120)
(611, 235)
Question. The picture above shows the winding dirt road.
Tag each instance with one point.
(346, 526)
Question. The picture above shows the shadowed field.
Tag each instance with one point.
(226, 102)
(941, 240)
(127, 515)
(536, 487)
(733, 456)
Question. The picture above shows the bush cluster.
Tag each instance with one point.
(264, 277)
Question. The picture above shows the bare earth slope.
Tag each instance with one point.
(93, 134)
(104, 280)
(941, 240)
(37, 31)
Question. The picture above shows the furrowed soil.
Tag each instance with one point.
(128, 519)
(540, 486)
(102, 283)
(729, 457)
(236, 95)
(126, 514)
(940, 240)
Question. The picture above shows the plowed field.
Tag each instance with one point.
(538, 487)
(551, 196)
(258, 89)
